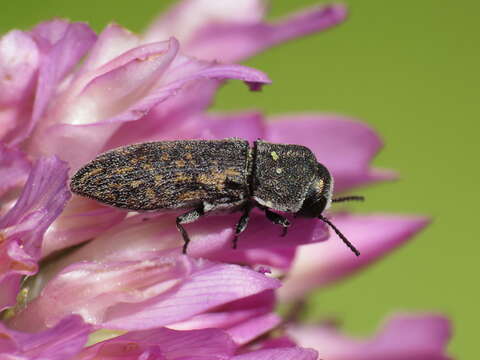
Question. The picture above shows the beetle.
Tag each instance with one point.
(208, 176)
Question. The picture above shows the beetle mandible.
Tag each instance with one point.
(208, 176)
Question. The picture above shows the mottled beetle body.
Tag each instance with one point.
(206, 176)
(168, 175)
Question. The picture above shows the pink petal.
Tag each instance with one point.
(61, 342)
(403, 337)
(140, 294)
(374, 235)
(115, 49)
(175, 118)
(236, 30)
(120, 91)
(183, 117)
(204, 290)
(205, 344)
(244, 319)
(129, 78)
(82, 219)
(45, 192)
(40, 202)
(231, 314)
(248, 126)
(48, 33)
(14, 168)
(218, 319)
(261, 243)
(232, 42)
(187, 17)
(346, 147)
(63, 44)
(265, 300)
(111, 43)
(249, 330)
(150, 83)
(211, 238)
(10, 284)
(278, 342)
(284, 353)
(19, 61)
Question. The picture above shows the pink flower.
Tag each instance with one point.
(72, 267)
(23, 226)
(236, 30)
(402, 337)
(63, 341)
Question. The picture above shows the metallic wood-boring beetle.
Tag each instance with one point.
(207, 176)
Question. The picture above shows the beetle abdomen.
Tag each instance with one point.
(167, 174)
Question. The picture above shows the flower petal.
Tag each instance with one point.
(284, 353)
(45, 192)
(249, 330)
(19, 62)
(175, 118)
(211, 238)
(14, 168)
(82, 220)
(260, 244)
(277, 342)
(140, 294)
(346, 147)
(248, 126)
(115, 48)
(96, 113)
(404, 337)
(129, 78)
(237, 41)
(111, 43)
(236, 30)
(64, 340)
(187, 17)
(40, 202)
(184, 117)
(243, 319)
(205, 344)
(19, 59)
(374, 235)
(210, 287)
(63, 44)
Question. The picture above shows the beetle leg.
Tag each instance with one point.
(278, 220)
(186, 218)
(242, 224)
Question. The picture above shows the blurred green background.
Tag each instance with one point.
(410, 69)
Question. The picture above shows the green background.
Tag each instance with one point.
(410, 69)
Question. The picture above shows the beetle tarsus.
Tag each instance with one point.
(186, 218)
(241, 225)
(278, 219)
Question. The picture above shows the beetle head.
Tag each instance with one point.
(319, 194)
(319, 198)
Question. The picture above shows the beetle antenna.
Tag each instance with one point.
(348, 198)
(344, 239)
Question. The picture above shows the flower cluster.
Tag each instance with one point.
(71, 268)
